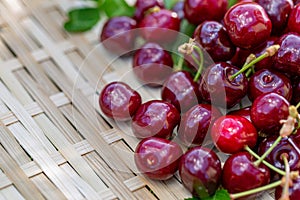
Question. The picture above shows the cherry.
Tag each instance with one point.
(217, 87)
(161, 26)
(144, 5)
(288, 56)
(265, 81)
(117, 35)
(296, 90)
(180, 90)
(178, 8)
(197, 11)
(266, 112)
(231, 133)
(119, 101)
(152, 64)
(157, 158)
(247, 24)
(212, 36)
(278, 12)
(196, 122)
(243, 112)
(155, 118)
(200, 171)
(294, 19)
(294, 190)
(240, 57)
(240, 174)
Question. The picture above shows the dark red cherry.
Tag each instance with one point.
(294, 190)
(247, 24)
(294, 19)
(284, 147)
(243, 112)
(217, 87)
(278, 12)
(152, 64)
(266, 81)
(155, 118)
(266, 112)
(296, 90)
(231, 133)
(240, 57)
(119, 101)
(197, 11)
(240, 174)
(117, 34)
(288, 56)
(180, 90)
(196, 123)
(178, 8)
(157, 158)
(212, 36)
(142, 6)
(200, 171)
(161, 26)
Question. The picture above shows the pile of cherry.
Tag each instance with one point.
(256, 50)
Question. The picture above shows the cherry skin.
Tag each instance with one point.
(118, 36)
(247, 24)
(197, 11)
(231, 133)
(266, 112)
(288, 56)
(180, 90)
(243, 112)
(161, 26)
(157, 158)
(240, 174)
(196, 122)
(294, 190)
(178, 8)
(212, 36)
(142, 6)
(216, 82)
(200, 171)
(155, 118)
(240, 57)
(278, 12)
(294, 19)
(119, 101)
(152, 64)
(265, 81)
(296, 90)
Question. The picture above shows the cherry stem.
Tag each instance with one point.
(279, 171)
(179, 64)
(257, 162)
(285, 191)
(199, 51)
(256, 190)
(298, 105)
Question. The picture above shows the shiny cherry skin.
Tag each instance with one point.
(157, 158)
(231, 133)
(240, 174)
(152, 64)
(284, 147)
(247, 24)
(180, 90)
(155, 118)
(243, 112)
(266, 81)
(178, 8)
(200, 171)
(296, 91)
(266, 112)
(216, 83)
(278, 12)
(212, 36)
(294, 190)
(118, 35)
(294, 19)
(196, 123)
(160, 27)
(197, 11)
(119, 101)
(288, 56)
(142, 6)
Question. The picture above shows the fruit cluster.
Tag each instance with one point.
(256, 49)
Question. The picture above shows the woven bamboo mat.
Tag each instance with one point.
(54, 141)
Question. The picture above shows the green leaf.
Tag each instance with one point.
(82, 19)
(113, 8)
(219, 195)
(170, 3)
(187, 28)
(231, 2)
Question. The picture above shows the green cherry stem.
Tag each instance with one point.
(298, 105)
(199, 51)
(256, 190)
(179, 65)
(279, 171)
(285, 191)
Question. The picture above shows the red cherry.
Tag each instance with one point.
(294, 19)
(243, 112)
(143, 5)
(294, 190)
